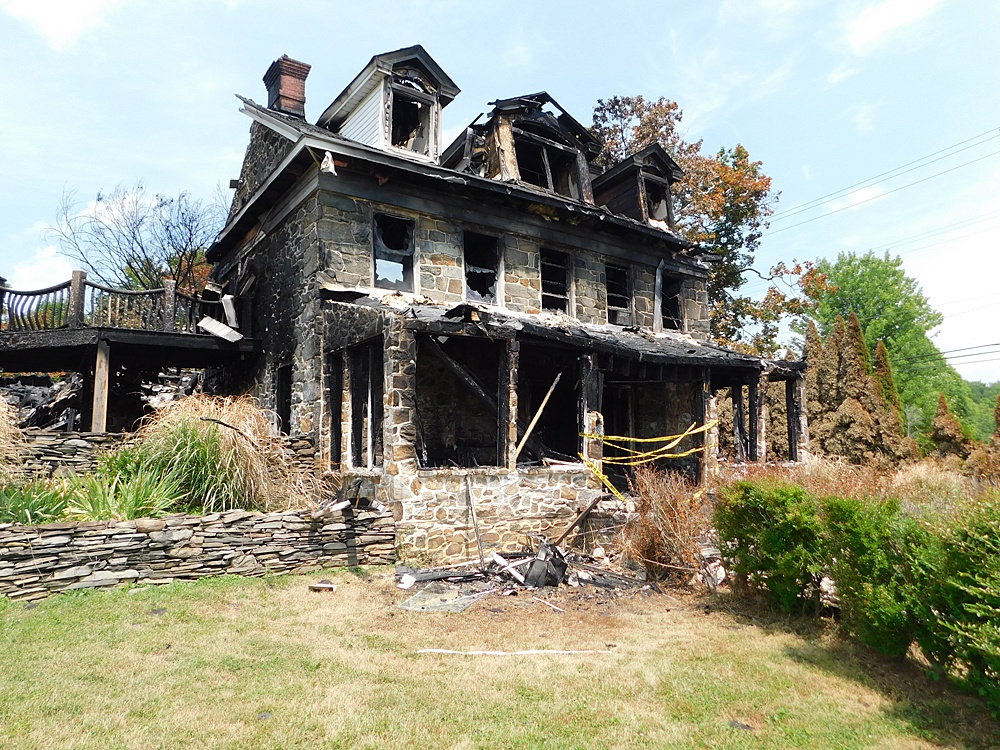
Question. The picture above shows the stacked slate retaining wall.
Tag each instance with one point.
(45, 452)
(36, 561)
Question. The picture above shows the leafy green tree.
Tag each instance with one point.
(721, 204)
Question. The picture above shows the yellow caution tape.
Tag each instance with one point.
(637, 458)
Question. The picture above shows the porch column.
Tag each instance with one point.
(102, 372)
(754, 418)
(792, 413)
(739, 422)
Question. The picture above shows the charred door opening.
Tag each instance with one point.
(459, 403)
(366, 386)
(558, 427)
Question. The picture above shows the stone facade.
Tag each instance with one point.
(36, 561)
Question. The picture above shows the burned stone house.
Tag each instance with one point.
(456, 323)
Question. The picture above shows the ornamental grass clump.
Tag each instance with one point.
(11, 443)
(223, 453)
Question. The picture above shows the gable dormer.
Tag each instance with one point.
(639, 187)
(530, 140)
(394, 104)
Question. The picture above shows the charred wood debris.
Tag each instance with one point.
(453, 588)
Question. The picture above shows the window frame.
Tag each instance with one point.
(613, 311)
(408, 283)
(568, 280)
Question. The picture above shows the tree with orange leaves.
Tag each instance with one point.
(722, 204)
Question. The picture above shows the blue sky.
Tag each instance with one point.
(826, 94)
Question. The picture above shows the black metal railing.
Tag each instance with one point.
(79, 303)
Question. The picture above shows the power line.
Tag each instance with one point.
(798, 208)
(939, 230)
(880, 195)
(949, 351)
(947, 241)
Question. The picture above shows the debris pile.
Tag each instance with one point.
(455, 587)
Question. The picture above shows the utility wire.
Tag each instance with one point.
(802, 206)
(947, 241)
(949, 351)
(880, 195)
(939, 230)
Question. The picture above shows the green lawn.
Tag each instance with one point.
(265, 663)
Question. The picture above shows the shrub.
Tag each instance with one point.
(32, 502)
(772, 535)
(870, 550)
(961, 602)
(670, 516)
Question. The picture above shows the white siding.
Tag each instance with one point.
(363, 124)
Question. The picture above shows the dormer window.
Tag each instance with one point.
(394, 104)
(411, 112)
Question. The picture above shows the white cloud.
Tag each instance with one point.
(841, 73)
(863, 116)
(855, 199)
(879, 21)
(517, 54)
(46, 268)
(61, 22)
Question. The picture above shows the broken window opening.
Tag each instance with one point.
(555, 280)
(656, 201)
(393, 251)
(532, 165)
(366, 374)
(411, 122)
(482, 258)
(671, 302)
(283, 397)
(618, 283)
(458, 402)
(545, 166)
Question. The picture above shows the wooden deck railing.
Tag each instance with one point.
(79, 303)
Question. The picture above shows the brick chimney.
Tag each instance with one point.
(286, 86)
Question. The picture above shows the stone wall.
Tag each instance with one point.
(45, 452)
(265, 150)
(434, 519)
(36, 561)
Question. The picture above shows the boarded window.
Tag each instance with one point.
(481, 264)
(618, 283)
(671, 299)
(393, 251)
(555, 280)
(366, 404)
